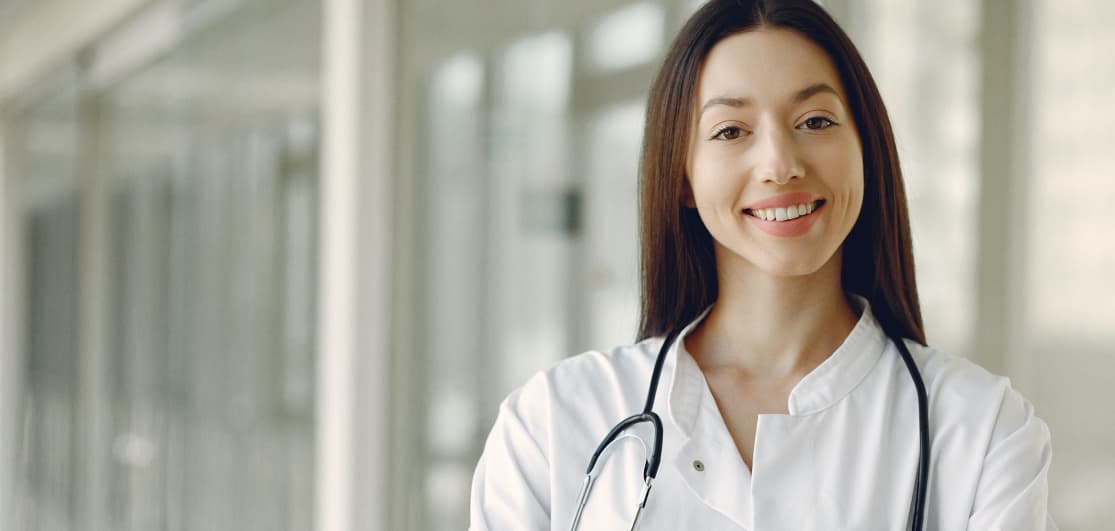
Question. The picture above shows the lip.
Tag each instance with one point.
(787, 229)
(784, 200)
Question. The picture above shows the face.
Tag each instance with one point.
(775, 164)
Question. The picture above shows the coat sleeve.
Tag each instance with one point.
(1013, 488)
(511, 485)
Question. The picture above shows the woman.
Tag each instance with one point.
(775, 238)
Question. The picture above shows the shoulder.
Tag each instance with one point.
(591, 377)
(973, 404)
(559, 414)
(583, 396)
(955, 378)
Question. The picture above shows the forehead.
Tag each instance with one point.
(765, 64)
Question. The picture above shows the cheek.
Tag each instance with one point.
(854, 182)
(708, 179)
(853, 187)
(843, 170)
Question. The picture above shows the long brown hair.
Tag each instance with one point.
(678, 267)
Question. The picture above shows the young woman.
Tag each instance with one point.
(776, 250)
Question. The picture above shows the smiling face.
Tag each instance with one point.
(774, 164)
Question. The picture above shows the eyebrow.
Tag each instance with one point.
(799, 96)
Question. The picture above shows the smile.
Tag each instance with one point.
(782, 214)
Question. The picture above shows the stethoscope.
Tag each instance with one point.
(650, 470)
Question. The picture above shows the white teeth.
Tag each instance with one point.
(783, 214)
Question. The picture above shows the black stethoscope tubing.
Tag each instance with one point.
(650, 470)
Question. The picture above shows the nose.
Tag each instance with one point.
(778, 160)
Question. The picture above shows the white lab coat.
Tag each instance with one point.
(845, 457)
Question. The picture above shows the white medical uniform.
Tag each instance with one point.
(845, 457)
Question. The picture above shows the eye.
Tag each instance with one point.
(817, 123)
(730, 132)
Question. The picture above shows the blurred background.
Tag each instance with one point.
(272, 264)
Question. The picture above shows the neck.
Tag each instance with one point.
(773, 327)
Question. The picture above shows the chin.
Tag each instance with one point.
(790, 263)
(789, 267)
(780, 261)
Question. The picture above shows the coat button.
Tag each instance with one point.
(698, 465)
